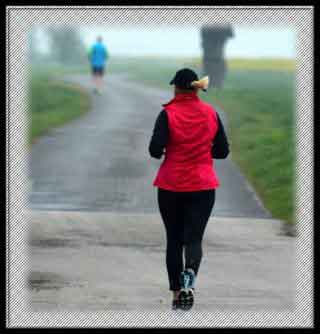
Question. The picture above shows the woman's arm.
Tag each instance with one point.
(220, 147)
(160, 136)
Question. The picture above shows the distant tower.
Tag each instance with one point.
(213, 42)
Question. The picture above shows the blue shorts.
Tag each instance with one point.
(97, 70)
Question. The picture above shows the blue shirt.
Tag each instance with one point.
(98, 55)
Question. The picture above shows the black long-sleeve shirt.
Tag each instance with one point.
(159, 139)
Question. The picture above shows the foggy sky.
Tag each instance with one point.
(248, 42)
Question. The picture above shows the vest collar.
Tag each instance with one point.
(183, 97)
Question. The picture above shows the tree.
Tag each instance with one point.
(213, 43)
(66, 45)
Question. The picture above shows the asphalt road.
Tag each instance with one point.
(100, 162)
(97, 242)
(97, 261)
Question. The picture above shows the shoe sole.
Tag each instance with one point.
(186, 299)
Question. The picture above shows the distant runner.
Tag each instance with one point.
(98, 55)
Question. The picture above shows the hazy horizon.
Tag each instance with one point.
(248, 42)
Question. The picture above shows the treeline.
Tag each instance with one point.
(65, 46)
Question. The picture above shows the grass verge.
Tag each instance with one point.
(260, 108)
(53, 103)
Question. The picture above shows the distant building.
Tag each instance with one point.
(213, 42)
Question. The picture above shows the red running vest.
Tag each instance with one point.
(188, 164)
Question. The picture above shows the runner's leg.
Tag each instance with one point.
(169, 205)
(197, 213)
(100, 79)
(94, 78)
(197, 210)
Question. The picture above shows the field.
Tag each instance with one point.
(258, 98)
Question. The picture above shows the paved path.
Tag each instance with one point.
(100, 162)
(102, 261)
(97, 241)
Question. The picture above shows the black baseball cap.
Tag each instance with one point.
(183, 78)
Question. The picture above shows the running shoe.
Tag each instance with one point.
(186, 296)
(192, 278)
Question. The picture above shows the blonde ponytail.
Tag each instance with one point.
(202, 83)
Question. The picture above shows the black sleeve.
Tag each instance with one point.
(220, 145)
(160, 136)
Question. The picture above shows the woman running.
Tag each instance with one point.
(190, 134)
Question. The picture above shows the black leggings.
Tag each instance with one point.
(185, 216)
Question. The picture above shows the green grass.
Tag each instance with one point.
(258, 97)
(260, 109)
(53, 103)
